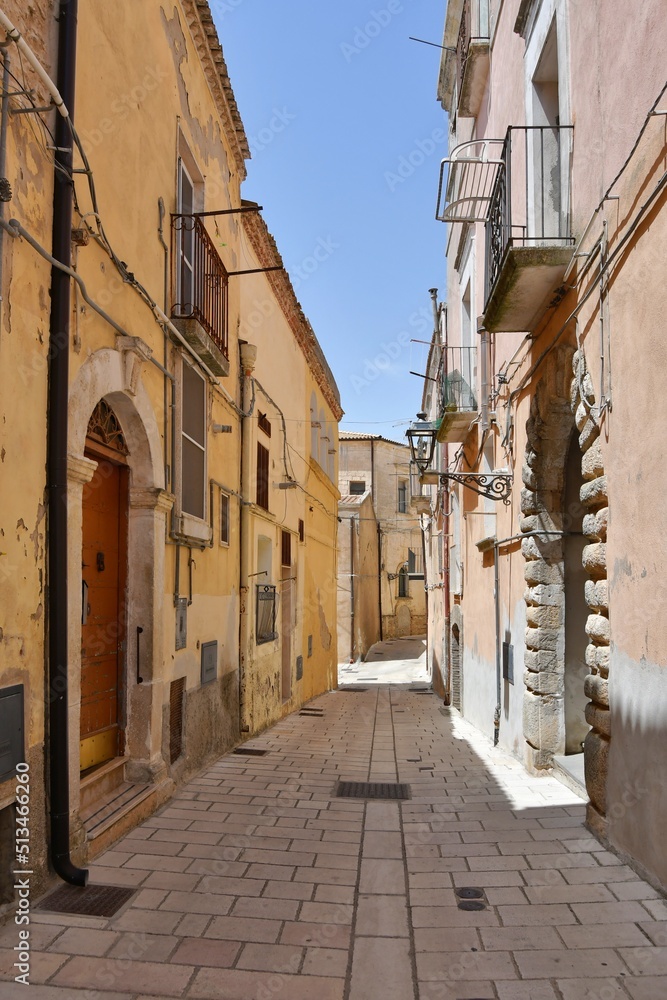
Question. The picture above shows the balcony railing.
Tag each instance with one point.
(459, 378)
(200, 281)
(530, 201)
(473, 41)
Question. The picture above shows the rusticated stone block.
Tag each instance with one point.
(542, 638)
(602, 658)
(597, 689)
(542, 659)
(543, 522)
(594, 494)
(598, 718)
(598, 629)
(543, 722)
(589, 432)
(542, 547)
(591, 657)
(580, 416)
(552, 595)
(595, 525)
(596, 769)
(594, 558)
(544, 682)
(537, 760)
(592, 465)
(538, 571)
(544, 617)
(530, 477)
(596, 593)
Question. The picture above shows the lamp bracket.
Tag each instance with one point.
(494, 485)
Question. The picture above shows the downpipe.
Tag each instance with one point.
(57, 436)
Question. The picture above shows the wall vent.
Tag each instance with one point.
(176, 697)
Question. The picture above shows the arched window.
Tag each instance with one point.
(324, 444)
(403, 582)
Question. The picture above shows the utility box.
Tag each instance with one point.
(209, 662)
(508, 662)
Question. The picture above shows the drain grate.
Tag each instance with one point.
(471, 904)
(468, 892)
(91, 901)
(356, 690)
(319, 714)
(420, 691)
(372, 790)
(249, 751)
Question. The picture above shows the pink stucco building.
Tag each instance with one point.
(550, 373)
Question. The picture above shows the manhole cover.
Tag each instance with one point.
(372, 790)
(471, 904)
(249, 752)
(91, 901)
(468, 892)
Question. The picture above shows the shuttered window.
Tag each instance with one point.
(262, 477)
(193, 442)
(286, 558)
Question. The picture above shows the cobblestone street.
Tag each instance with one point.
(257, 883)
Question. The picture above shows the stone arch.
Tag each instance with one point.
(549, 430)
(115, 376)
(594, 498)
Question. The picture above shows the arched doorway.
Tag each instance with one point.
(103, 600)
(455, 666)
(576, 609)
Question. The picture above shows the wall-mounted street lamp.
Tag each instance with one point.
(421, 434)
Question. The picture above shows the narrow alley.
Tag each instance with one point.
(258, 882)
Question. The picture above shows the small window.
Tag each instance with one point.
(264, 424)
(302, 531)
(415, 563)
(286, 557)
(193, 438)
(266, 614)
(402, 498)
(262, 476)
(403, 582)
(357, 488)
(224, 518)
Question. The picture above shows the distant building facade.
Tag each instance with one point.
(371, 463)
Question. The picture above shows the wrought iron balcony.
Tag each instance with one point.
(458, 392)
(472, 56)
(200, 292)
(529, 241)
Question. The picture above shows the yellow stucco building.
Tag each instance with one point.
(169, 429)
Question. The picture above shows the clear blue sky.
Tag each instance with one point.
(347, 137)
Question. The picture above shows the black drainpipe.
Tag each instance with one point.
(57, 460)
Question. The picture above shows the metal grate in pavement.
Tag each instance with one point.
(355, 690)
(249, 751)
(372, 790)
(471, 904)
(89, 901)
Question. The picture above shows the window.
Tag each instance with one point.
(357, 488)
(415, 563)
(302, 531)
(224, 518)
(264, 424)
(193, 443)
(286, 550)
(402, 498)
(185, 243)
(314, 426)
(262, 476)
(403, 582)
(265, 614)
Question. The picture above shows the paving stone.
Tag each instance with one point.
(325, 962)
(392, 956)
(586, 962)
(316, 935)
(382, 916)
(270, 958)
(244, 929)
(155, 979)
(237, 984)
(592, 989)
(478, 965)
(610, 935)
(81, 941)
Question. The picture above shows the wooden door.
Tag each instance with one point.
(102, 618)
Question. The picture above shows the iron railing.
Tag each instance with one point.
(530, 200)
(474, 28)
(200, 280)
(265, 613)
(459, 380)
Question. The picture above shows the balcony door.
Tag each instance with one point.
(547, 219)
(185, 245)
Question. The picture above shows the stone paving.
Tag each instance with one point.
(257, 883)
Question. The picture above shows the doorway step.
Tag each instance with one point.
(569, 769)
(110, 805)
